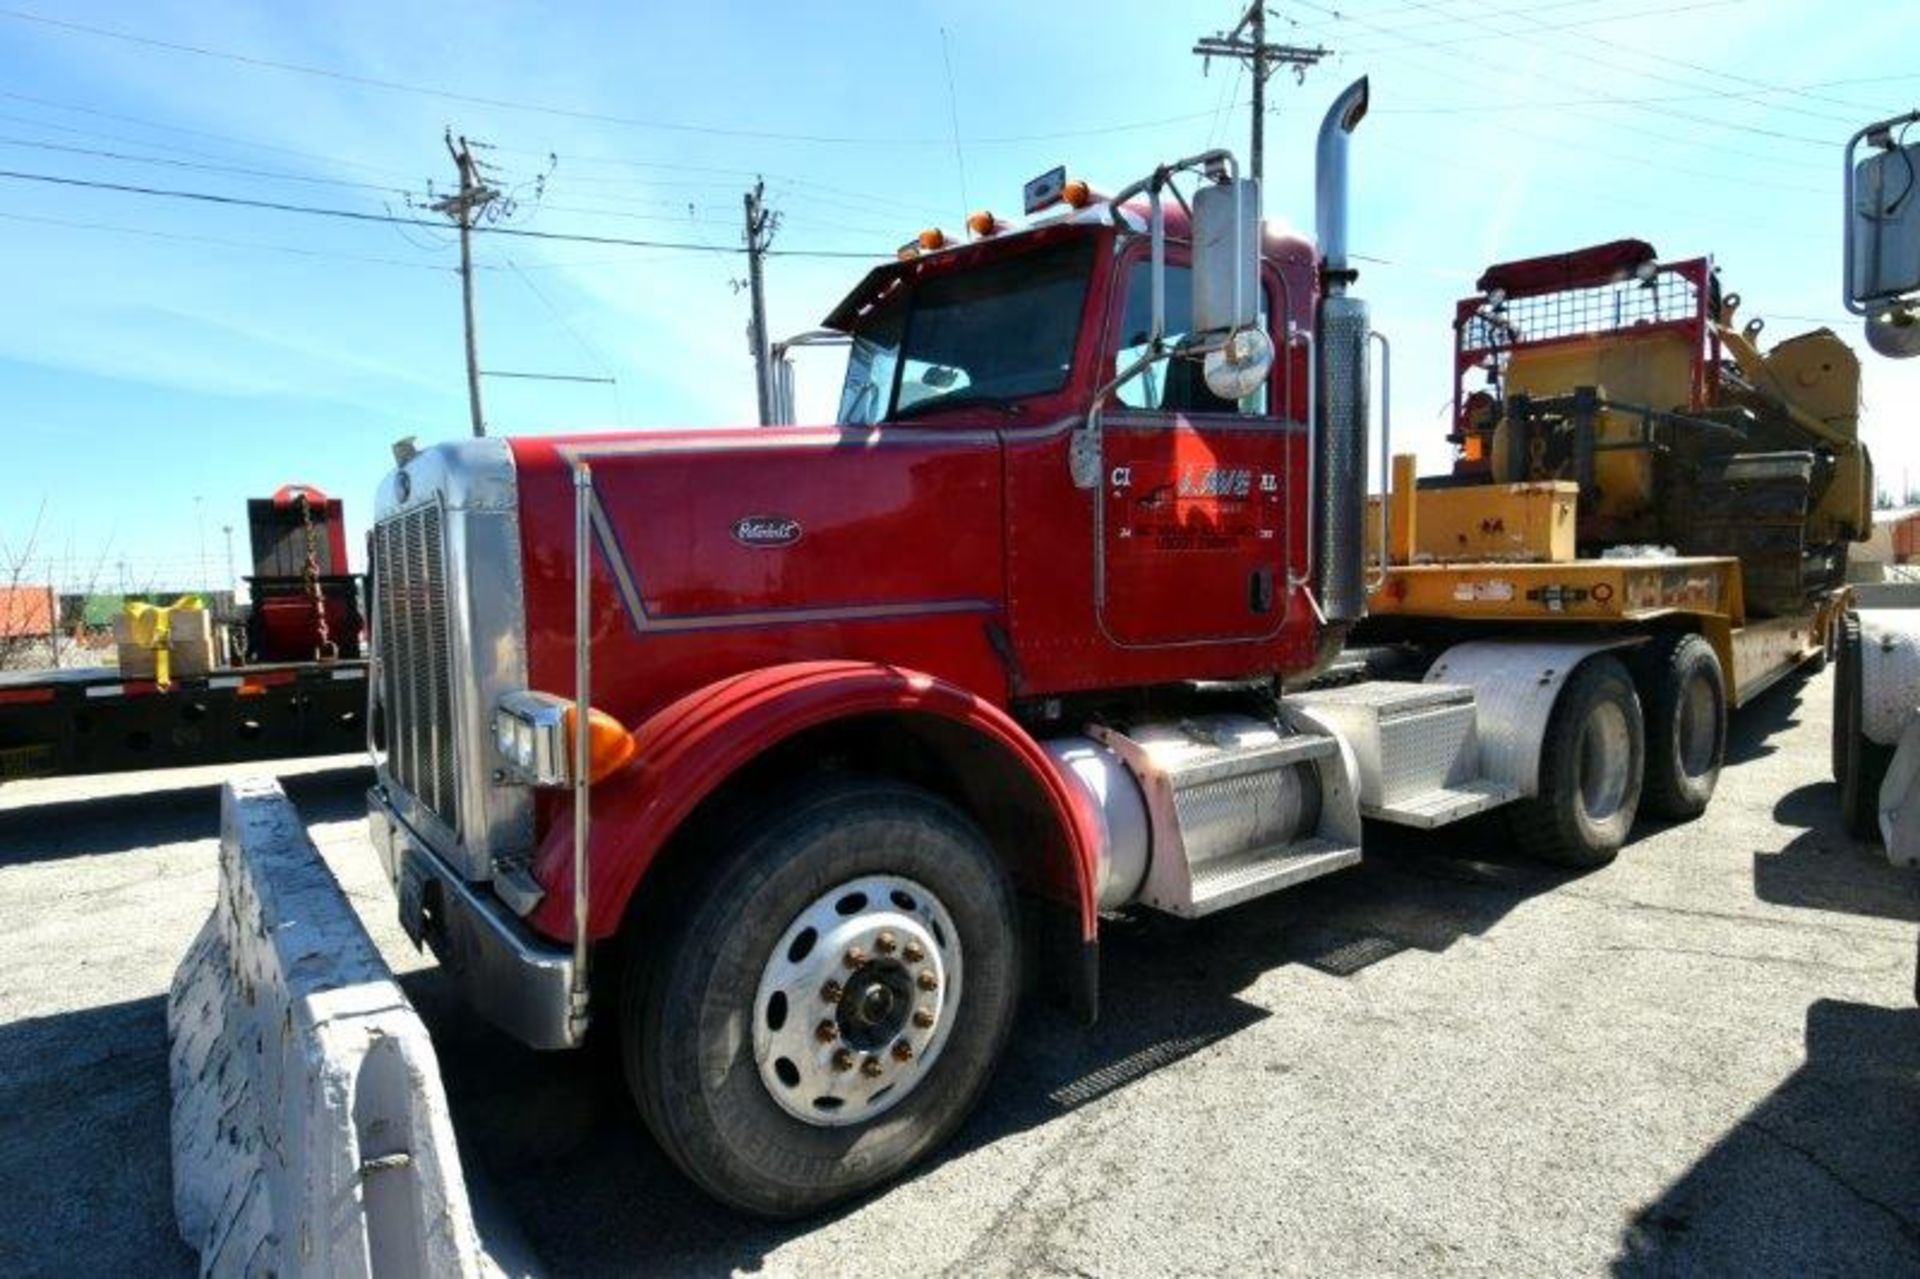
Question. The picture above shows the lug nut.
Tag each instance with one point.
(885, 943)
(923, 1018)
(913, 953)
(843, 1059)
(902, 1050)
(826, 1032)
(926, 980)
(832, 993)
(855, 957)
(872, 1068)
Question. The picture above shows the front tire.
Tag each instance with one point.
(1860, 764)
(1684, 693)
(1590, 770)
(832, 1002)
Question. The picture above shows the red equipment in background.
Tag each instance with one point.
(305, 605)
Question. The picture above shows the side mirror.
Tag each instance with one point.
(1883, 236)
(1885, 261)
(1226, 259)
(1226, 287)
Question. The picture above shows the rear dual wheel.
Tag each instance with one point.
(1590, 770)
(1684, 693)
(832, 1001)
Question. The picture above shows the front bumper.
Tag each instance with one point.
(514, 979)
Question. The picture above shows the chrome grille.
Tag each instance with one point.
(411, 589)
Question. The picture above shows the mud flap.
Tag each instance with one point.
(310, 1128)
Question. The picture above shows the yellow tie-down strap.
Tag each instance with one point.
(152, 627)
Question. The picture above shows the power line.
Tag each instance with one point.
(592, 351)
(1401, 45)
(569, 113)
(146, 123)
(220, 242)
(199, 166)
(1507, 106)
(1545, 29)
(355, 215)
(349, 184)
(1638, 52)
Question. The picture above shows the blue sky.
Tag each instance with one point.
(158, 351)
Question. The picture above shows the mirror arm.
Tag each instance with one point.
(1083, 456)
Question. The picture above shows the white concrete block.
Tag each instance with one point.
(310, 1129)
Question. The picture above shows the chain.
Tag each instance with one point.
(325, 649)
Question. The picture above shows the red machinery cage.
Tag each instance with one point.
(1564, 298)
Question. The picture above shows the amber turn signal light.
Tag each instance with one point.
(610, 746)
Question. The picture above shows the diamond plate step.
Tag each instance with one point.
(1228, 881)
(1443, 804)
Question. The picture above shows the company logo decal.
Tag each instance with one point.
(766, 532)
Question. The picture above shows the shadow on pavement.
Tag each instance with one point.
(559, 1145)
(116, 823)
(1824, 868)
(1823, 1177)
(85, 1179)
(1752, 728)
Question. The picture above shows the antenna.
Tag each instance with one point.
(953, 112)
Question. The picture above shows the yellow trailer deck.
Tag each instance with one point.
(1645, 592)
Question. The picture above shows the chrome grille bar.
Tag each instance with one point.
(415, 657)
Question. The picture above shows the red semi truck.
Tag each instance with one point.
(812, 744)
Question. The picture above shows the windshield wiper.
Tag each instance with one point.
(962, 400)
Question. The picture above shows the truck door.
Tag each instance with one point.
(1191, 520)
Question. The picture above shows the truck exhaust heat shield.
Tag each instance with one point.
(1340, 433)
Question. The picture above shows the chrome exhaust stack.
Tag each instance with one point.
(1340, 431)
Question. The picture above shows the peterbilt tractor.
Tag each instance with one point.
(787, 757)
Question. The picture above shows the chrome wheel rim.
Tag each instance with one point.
(856, 1000)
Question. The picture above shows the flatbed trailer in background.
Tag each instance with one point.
(98, 721)
(300, 689)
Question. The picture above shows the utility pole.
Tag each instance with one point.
(760, 228)
(233, 587)
(200, 526)
(1261, 58)
(464, 207)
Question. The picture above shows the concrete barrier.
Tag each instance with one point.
(310, 1130)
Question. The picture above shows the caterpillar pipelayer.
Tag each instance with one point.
(1632, 461)
(787, 755)
(1627, 376)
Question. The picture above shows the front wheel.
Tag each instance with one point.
(830, 1007)
(1590, 770)
(1859, 764)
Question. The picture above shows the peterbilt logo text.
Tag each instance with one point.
(765, 532)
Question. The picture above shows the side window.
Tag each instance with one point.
(1174, 385)
(871, 364)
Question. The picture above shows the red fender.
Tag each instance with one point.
(695, 744)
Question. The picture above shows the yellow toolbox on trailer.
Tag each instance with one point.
(1482, 523)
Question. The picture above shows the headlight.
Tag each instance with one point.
(530, 733)
(533, 734)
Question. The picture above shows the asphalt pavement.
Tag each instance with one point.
(1703, 1058)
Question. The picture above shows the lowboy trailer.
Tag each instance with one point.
(789, 755)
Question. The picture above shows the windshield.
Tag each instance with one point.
(992, 334)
